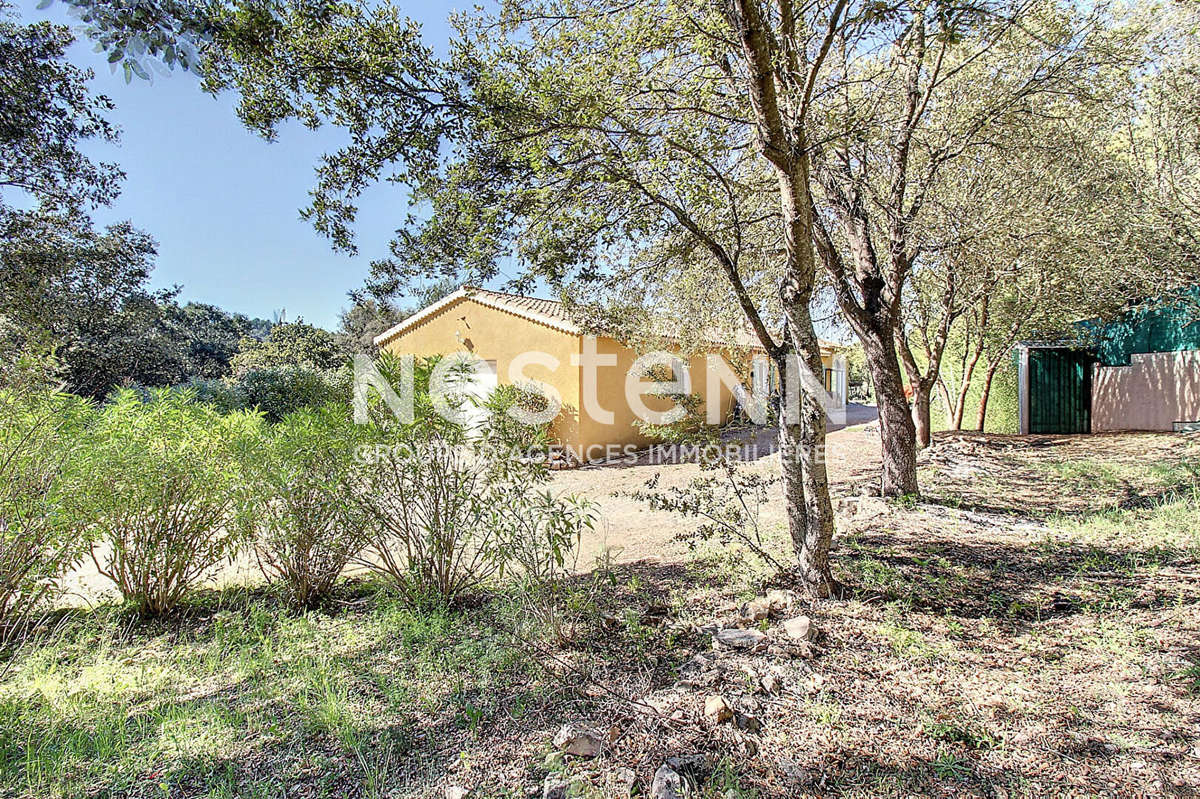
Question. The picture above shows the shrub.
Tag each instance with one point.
(449, 510)
(539, 532)
(217, 392)
(307, 527)
(426, 494)
(287, 344)
(725, 497)
(161, 491)
(37, 544)
(276, 392)
(504, 429)
(539, 543)
(691, 428)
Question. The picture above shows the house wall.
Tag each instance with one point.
(492, 334)
(496, 335)
(610, 391)
(1152, 393)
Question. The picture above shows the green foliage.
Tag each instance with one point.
(1003, 413)
(293, 344)
(38, 544)
(447, 512)
(361, 323)
(85, 294)
(278, 391)
(221, 394)
(205, 338)
(691, 428)
(159, 486)
(507, 426)
(49, 113)
(858, 381)
(449, 508)
(369, 316)
(308, 529)
(726, 498)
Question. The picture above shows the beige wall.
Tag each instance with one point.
(495, 335)
(1152, 393)
(610, 384)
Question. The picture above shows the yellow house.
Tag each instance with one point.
(502, 330)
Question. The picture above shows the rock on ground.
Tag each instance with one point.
(717, 709)
(740, 639)
(573, 739)
(667, 784)
(799, 628)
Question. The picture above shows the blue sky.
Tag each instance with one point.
(222, 203)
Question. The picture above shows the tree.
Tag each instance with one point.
(598, 150)
(362, 322)
(48, 113)
(1064, 216)
(369, 315)
(289, 344)
(207, 337)
(639, 151)
(365, 70)
(82, 293)
(915, 107)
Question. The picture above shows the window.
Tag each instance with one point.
(760, 377)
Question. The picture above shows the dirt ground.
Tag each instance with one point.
(630, 531)
(1029, 627)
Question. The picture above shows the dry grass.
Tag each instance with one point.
(1029, 629)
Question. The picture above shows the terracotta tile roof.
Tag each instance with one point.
(534, 308)
(548, 312)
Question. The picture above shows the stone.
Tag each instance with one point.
(555, 787)
(573, 739)
(757, 609)
(747, 722)
(625, 780)
(667, 784)
(735, 638)
(694, 767)
(455, 792)
(717, 709)
(799, 628)
(780, 601)
(770, 684)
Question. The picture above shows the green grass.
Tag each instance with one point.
(323, 699)
(1167, 528)
(1093, 476)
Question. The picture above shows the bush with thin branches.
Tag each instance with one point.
(162, 492)
(450, 507)
(38, 545)
(308, 529)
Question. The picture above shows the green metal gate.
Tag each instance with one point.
(1060, 391)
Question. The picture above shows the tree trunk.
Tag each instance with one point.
(802, 450)
(895, 422)
(987, 390)
(806, 499)
(802, 431)
(920, 412)
(951, 409)
(967, 376)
